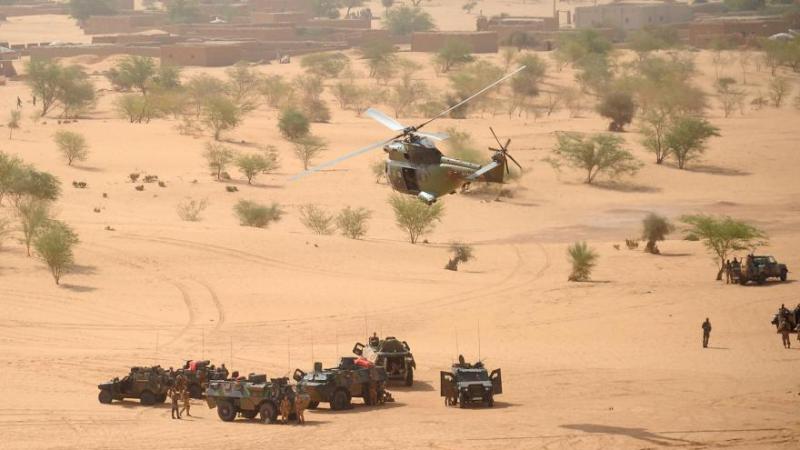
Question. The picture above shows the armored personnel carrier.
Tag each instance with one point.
(148, 384)
(252, 397)
(338, 385)
(392, 354)
(759, 269)
(198, 374)
(468, 383)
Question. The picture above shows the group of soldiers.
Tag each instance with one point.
(788, 321)
(732, 270)
(178, 392)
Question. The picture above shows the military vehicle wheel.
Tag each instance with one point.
(147, 398)
(268, 413)
(161, 398)
(783, 275)
(341, 400)
(105, 397)
(410, 377)
(195, 391)
(226, 411)
(462, 400)
(313, 405)
(742, 281)
(762, 279)
(366, 396)
(249, 414)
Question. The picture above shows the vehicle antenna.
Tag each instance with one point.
(202, 343)
(337, 343)
(457, 351)
(288, 352)
(156, 346)
(231, 353)
(366, 329)
(312, 350)
(479, 340)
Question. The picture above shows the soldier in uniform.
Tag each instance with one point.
(728, 268)
(374, 340)
(784, 328)
(373, 394)
(186, 404)
(174, 398)
(706, 332)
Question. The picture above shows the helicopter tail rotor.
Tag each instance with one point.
(503, 150)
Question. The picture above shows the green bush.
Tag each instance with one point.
(415, 217)
(252, 214)
(316, 219)
(352, 222)
(54, 245)
(583, 260)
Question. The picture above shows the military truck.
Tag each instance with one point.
(148, 384)
(468, 383)
(338, 385)
(759, 269)
(392, 354)
(198, 374)
(250, 398)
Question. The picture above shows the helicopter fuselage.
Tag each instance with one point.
(417, 167)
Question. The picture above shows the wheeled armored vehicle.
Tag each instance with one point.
(338, 385)
(759, 269)
(197, 375)
(468, 384)
(148, 384)
(252, 397)
(392, 354)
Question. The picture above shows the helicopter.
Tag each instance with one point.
(414, 165)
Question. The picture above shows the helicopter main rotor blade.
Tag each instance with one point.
(496, 139)
(471, 97)
(434, 136)
(515, 161)
(385, 120)
(483, 170)
(344, 157)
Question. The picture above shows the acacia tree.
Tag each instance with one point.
(293, 124)
(244, 83)
(452, 53)
(221, 114)
(686, 138)
(414, 216)
(54, 245)
(33, 214)
(723, 235)
(352, 222)
(72, 146)
(43, 79)
(218, 157)
(404, 20)
(253, 164)
(133, 72)
(619, 107)
(595, 154)
(308, 147)
(655, 228)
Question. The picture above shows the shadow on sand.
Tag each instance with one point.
(641, 434)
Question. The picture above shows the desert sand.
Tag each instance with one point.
(612, 364)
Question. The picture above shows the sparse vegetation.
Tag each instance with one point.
(583, 259)
(82, 9)
(253, 214)
(655, 228)
(14, 118)
(415, 217)
(72, 145)
(55, 84)
(352, 222)
(327, 65)
(33, 214)
(316, 219)
(189, 210)
(244, 84)
(53, 244)
(686, 138)
(779, 88)
(404, 20)
(379, 170)
(293, 124)
(619, 107)
(462, 253)
(452, 53)
(5, 230)
(723, 235)
(276, 90)
(221, 114)
(730, 98)
(595, 154)
(308, 147)
(253, 164)
(133, 72)
(217, 157)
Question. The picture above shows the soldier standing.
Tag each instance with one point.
(706, 332)
(784, 328)
(175, 398)
(186, 397)
(728, 272)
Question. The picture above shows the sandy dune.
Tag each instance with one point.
(613, 364)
